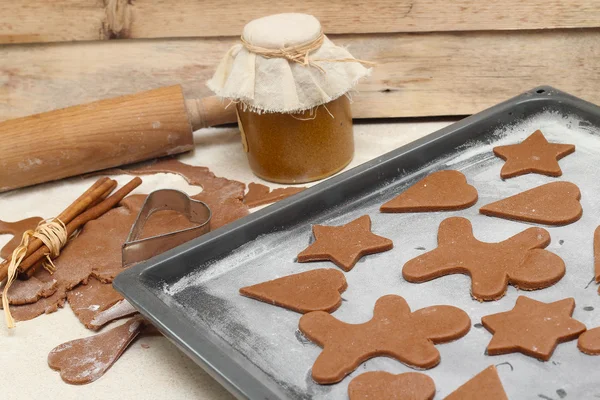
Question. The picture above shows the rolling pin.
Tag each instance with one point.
(103, 134)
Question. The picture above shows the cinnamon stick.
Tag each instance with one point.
(91, 214)
(23, 276)
(77, 207)
(82, 202)
(29, 273)
(104, 195)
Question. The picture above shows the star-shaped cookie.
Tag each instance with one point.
(345, 245)
(532, 328)
(533, 155)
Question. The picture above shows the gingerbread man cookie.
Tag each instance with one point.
(381, 385)
(533, 155)
(345, 245)
(519, 260)
(439, 191)
(317, 290)
(532, 328)
(394, 331)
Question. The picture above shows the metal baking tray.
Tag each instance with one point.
(256, 351)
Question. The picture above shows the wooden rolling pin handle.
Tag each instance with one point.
(104, 134)
(210, 111)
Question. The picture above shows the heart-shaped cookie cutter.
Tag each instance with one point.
(135, 250)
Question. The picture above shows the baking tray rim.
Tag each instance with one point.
(244, 383)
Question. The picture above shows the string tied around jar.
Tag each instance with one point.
(300, 53)
(284, 63)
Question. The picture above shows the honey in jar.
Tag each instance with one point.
(300, 147)
(290, 86)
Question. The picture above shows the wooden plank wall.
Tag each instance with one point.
(435, 57)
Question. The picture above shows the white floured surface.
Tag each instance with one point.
(161, 371)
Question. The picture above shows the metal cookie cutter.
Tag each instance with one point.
(135, 250)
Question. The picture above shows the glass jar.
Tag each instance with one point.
(301, 147)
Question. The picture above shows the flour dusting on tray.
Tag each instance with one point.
(268, 336)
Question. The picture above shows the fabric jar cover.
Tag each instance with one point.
(278, 84)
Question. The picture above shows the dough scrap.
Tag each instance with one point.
(532, 328)
(45, 305)
(394, 331)
(555, 203)
(96, 252)
(520, 260)
(345, 245)
(439, 191)
(194, 175)
(118, 310)
(259, 195)
(533, 155)
(223, 196)
(30, 291)
(316, 290)
(87, 301)
(485, 385)
(381, 385)
(83, 361)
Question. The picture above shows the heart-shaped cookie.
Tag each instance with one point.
(589, 342)
(485, 385)
(439, 191)
(383, 385)
(317, 290)
(84, 360)
(555, 203)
